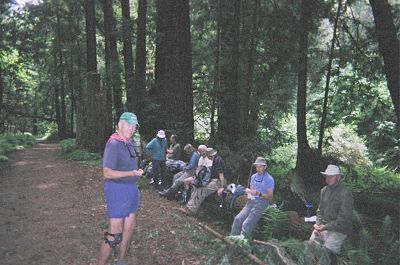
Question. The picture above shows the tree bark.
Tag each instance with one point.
(128, 55)
(173, 80)
(389, 48)
(94, 133)
(251, 62)
(1, 99)
(140, 64)
(56, 99)
(230, 120)
(216, 84)
(305, 156)
(62, 133)
(328, 78)
(114, 67)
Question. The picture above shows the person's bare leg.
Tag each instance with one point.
(129, 226)
(115, 227)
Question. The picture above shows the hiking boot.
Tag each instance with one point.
(183, 199)
(167, 192)
(236, 238)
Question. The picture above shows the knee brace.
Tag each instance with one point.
(113, 243)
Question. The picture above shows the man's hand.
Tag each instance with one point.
(252, 191)
(220, 191)
(319, 228)
(138, 173)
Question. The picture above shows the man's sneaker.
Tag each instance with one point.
(151, 181)
(236, 238)
(121, 262)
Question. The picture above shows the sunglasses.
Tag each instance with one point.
(130, 153)
(258, 180)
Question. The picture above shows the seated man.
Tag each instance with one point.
(204, 161)
(188, 171)
(216, 183)
(334, 214)
(260, 192)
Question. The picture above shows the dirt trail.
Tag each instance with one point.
(52, 211)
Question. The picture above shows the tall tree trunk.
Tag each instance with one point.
(71, 94)
(328, 78)
(35, 114)
(94, 134)
(307, 162)
(60, 69)
(1, 100)
(140, 64)
(216, 84)
(78, 91)
(56, 101)
(389, 48)
(128, 55)
(230, 121)
(114, 67)
(173, 79)
(251, 62)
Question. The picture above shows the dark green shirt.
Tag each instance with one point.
(336, 208)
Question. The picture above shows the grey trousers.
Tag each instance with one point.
(329, 239)
(246, 221)
(198, 195)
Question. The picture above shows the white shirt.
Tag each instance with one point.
(204, 161)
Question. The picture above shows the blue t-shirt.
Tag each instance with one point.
(120, 156)
(262, 183)
(157, 148)
(194, 160)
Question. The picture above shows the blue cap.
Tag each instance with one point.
(129, 117)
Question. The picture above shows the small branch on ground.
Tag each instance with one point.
(250, 256)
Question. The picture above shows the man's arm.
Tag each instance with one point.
(109, 173)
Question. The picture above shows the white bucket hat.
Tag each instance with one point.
(260, 161)
(161, 134)
(331, 170)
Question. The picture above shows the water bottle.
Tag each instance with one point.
(309, 206)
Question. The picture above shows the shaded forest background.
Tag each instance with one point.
(304, 83)
(250, 77)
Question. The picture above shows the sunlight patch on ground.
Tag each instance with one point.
(45, 186)
(22, 163)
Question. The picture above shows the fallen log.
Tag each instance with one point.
(250, 256)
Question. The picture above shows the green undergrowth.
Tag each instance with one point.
(70, 151)
(10, 142)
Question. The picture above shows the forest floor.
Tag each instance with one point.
(52, 211)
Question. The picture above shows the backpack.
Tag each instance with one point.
(203, 177)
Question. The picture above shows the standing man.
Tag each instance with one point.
(334, 214)
(174, 151)
(259, 193)
(157, 148)
(120, 170)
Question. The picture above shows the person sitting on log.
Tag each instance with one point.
(204, 161)
(216, 184)
(259, 193)
(188, 171)
(334, 215)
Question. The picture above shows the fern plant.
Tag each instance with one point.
(274, 220)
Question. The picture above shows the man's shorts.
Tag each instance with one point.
(122, 199)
